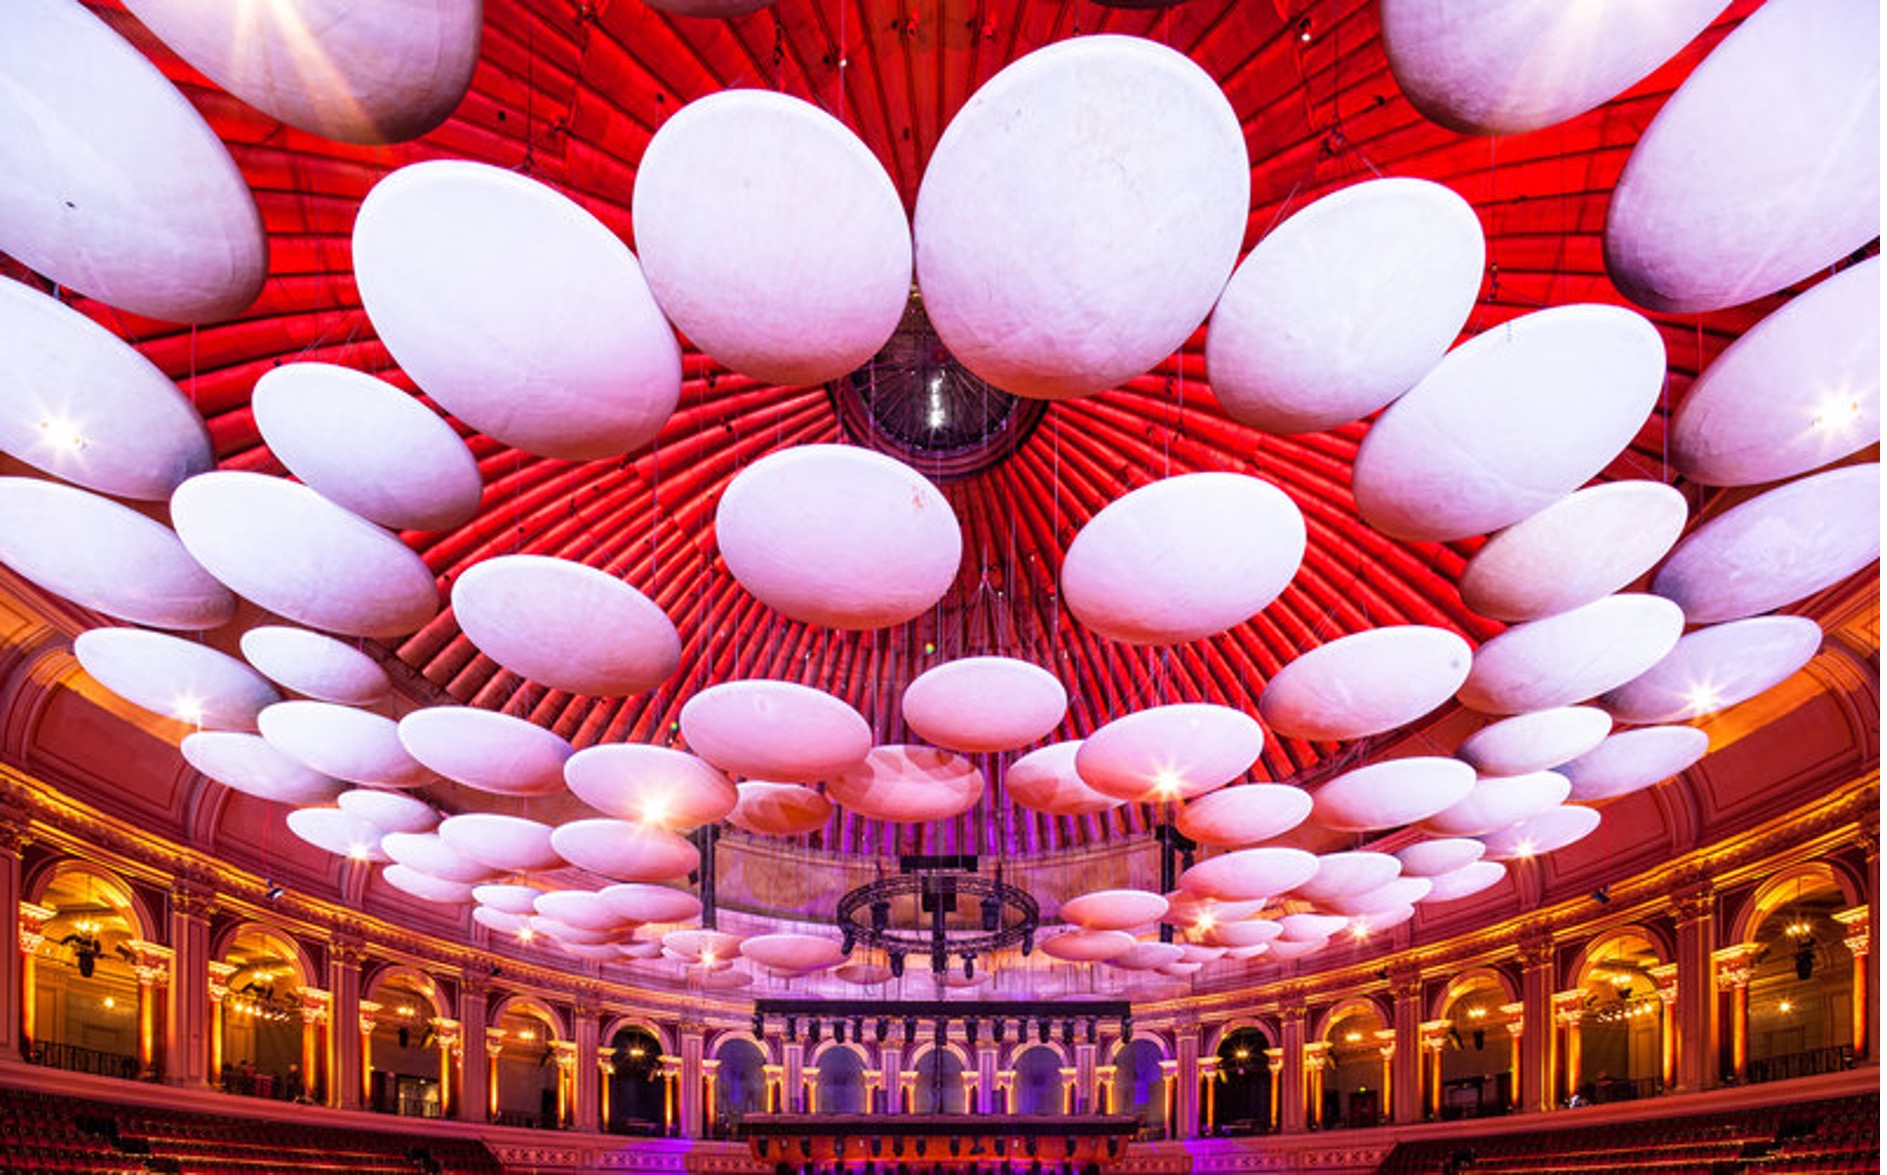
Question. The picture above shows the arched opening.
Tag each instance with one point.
(1243, 1087)
(1621, 1024)
(1038, 1081)
(841, 1088)
(524, 1074)
(1356, 1072)
(939, 1084)
(636, 1099)
(1801, 986)
(268, 1048)
(1474, 1065)
(88, 1011)
(1139, 1087)
(740, 1087)
(404, 1062)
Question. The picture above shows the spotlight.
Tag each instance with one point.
(812, 1031)
(858, 1029)
(910, 1029)
(1094, 1031)
(970, 1028)
(1042, 1028)
(759, 1025)
(848, 938)
(1028, 941)
(1068, 1033)
(494, 970)
(274, 893)
(996, 1029)
(880, 915)
(792, 1028)
(897, 964)
(1805, 962)
(884, 1029)
(992, 915)
(1603, 895)
(969, 966)
(943, 1029)
(838, 1031)
(939, 963)
(1382, 973)
(1126, 1027)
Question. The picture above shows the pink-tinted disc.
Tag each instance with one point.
(1365, 683)
(247, 763)
(653, 785)
(641, 902)
(1088, 946)
(1250, 874)
(315, 665)
(1535, 741)
(792, 952)
(565, 625)
(1244, 815)
(1714, 668)
(1170, 752)
(1148, 956)
(486, 750)
(1471, 878)
(1590, 543)
(1552, 829)
(582, 908)
(341, 833)
(1430, 858)
(1499, 801)
(1633, 760)
(429, 853)
(509, 897)
(425, 886)
(1341, 874)
(1045, 780)
(177, 678)
(1113, 909)
(343, 742)
(779, 809)
(390, 811)
(1385, 795)
(511, 843)
(982, 704)
(625, 850)
(1572, 656)
(775, 730)
(908, 784)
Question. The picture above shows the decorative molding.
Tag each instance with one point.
(1735, 965)
(1855, 922)
(1535, 945)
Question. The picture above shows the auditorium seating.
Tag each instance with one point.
(1834, 1136)
(44, 1132)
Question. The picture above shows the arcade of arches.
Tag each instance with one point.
(1748, 963)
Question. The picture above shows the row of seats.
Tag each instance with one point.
(47, 1132)
(1823, 1136)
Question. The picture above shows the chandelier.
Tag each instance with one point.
(920, 911)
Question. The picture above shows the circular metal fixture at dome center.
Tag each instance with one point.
(917, 913)
(914, 401)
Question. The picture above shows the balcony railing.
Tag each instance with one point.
(1808, 1064)
(74, 1059)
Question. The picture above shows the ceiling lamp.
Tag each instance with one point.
(1535, 741)
(106, 556)
(1796, 391)
(1590, 543)
(919, 912)
(565, 625)
(359, 73)
(315, 665)
(1365, 683)
(1572, 656)
(367, 446)
(84, 405)
(1714, 668)
(1243, 814)
(179, 679)
(779, 809)
(1508, 422)
(1391, 793)
(1341, 308)
(1776, 548)
(248, 764)
(1497, 67)
(1183, 558)
(1633, 760)
(908, 784)
(771, 236)
(657, 786)
(1057, 297)
(545, 337)
(1045, 780)
(169, 229)
(281, 545)
(838, 536)
(390, 811)
(486, 750)
(984, 704)
(625, 850)
(774, 730)
(1170, 753)
(355, 745)
(1497, 802)
(1710, 210)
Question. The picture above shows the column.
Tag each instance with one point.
(186, 1047)
(1291, 1099)
(1665, 977)
(1411, 1092)
(1209, 1080)
(1068, 1075)
(1857, 937)
(877, 1103)
(1536, 1045)
(671, 1108)
(907, 1092)
(710, 1074)
(1568, 1012)
(219, 973)
(369, 1016)
(605, 1070)
(890, 1064)
(1085, 1101)
(589, 1094)
(1187, 1121)
(1735, 967)
(1695, 912)
(564, 1052)
(690, 1109)
(1005, 1085)
(1516, 1023)
(16, 977)
(494, 1048)
(343, 1023)
(1386, 1048)
(475, 1078)
(790, 1092)
(986, 1062)
(1169, 1099)
(316, 1009)
(447, 1035)
(152, 967)
(1274, 1061)
(33, 921)
(1103, 1102)
(1316, 1061)
(776, 1092)
(1433, 1038)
